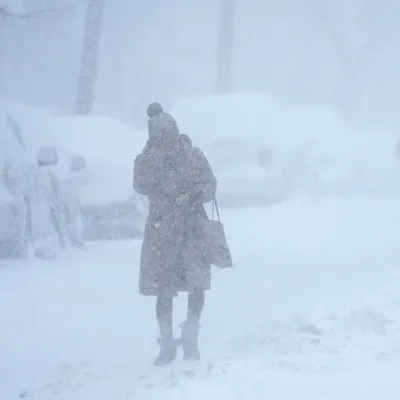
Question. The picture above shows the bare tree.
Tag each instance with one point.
(225, 45)
(89, 57)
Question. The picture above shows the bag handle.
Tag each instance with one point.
(215, 208)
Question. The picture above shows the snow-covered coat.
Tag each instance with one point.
(174, 256)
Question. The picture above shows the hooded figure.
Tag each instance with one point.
(178, 180)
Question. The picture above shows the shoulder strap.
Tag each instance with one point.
(215, 208)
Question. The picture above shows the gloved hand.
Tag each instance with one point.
(183, 200)
(188, 199)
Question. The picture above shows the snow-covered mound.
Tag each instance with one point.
(109, 147)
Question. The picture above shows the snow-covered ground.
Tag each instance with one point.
(310, 311)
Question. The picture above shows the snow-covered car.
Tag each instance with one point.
(39, 208)
(235, 144)
(106, 148)
(263, 152)
(323, 155)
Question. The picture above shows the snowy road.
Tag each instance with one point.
(310, 311)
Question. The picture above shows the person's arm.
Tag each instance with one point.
(143, 175)
(205, 185)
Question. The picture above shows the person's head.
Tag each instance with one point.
(153, 109)
(163, 128)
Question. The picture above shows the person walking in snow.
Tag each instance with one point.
(178, 180)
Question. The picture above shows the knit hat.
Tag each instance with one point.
(161, 124)
(153, 109)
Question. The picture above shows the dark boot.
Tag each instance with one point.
(189, 341)
(168, 350)
(168, 344)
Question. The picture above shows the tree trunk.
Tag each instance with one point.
(225, 46)
(89, 57)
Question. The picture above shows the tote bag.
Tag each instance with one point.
(216, 240)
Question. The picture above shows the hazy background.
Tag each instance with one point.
(342, 53)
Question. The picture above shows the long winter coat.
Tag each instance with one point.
(174, 254)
